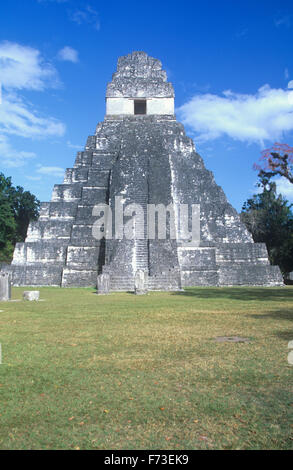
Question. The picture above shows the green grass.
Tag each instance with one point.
(144, 372)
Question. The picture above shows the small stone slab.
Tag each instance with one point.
(31, 295)
(103, 284)
(141, 282)
(231, 339)
(5, 286)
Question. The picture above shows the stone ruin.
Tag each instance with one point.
(140, 154)
(5, 286)
(141, 283)
(31, 295)
(103, 284)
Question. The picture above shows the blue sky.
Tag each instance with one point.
(230, 63)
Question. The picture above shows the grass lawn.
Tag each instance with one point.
(82, 371)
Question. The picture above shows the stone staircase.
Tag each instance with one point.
(121, 283)
(141, 242)
(166, 280)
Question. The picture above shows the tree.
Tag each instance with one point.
(17, 209)
(269, 218)
(26, 208)
(7, 229)
(276, 161)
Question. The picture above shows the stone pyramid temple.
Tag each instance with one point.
(140, 155)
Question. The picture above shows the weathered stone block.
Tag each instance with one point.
(5, 286)
(31, 296)
(82, 235)
(103, 284)
(197, 256)
(85, 215)
(44, 210)
(36, 275)
(141, 282)
(103, 161)
(92, 196)
(250, 275)
(67, 192)
(63, 210)
(79, 277)
(56, 229)
(84, 158)
(243, 253)
(80, 175)
(204, 277)
(98, 177)
(40, 252)
(80, 257)
(91, 142)
(49, 229)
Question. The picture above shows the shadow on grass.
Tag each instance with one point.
(285, 335)
(279, 316)
(239, 293)
(285, 314)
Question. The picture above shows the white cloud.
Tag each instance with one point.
(52, 1)
(11, 158)
(33, 178)
(55, 171)
(266, 115)
(290, 84)
(22, 67)
(19, 118)
(86, 15)
(242, 32)
(68, 54)
(285, 188)
(73, 146)
(284, 20)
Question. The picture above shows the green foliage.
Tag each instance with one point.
(17, 209)
(269, 218)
